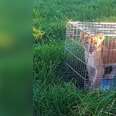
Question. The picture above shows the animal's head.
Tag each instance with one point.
(96, 40)
(91, 39)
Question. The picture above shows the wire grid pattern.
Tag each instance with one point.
(77, 53)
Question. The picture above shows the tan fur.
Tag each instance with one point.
(103, 53)
(109, 52)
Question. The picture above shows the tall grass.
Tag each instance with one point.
(51, 95)
(54, 97)
(47, 61)
(51, 16)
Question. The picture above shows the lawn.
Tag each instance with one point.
(51, 95)
(54, 97)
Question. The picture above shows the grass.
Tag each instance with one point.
(54, 97)
(51, 95)
(50, 17)
(47, 61)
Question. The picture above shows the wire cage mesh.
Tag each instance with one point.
(91, 53)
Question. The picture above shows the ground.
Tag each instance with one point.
(51, 95)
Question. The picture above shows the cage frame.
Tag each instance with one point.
(73, 30)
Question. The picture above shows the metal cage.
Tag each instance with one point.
(91, 53)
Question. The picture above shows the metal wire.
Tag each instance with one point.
(83, 52)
